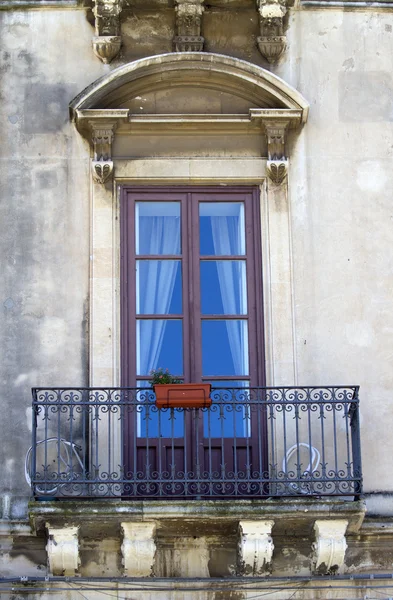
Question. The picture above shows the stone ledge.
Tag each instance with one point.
(291, 516)
(37, 4)
(347, 4)
(14, 528)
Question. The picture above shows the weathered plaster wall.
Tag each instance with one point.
(44, 246)
(341, 212)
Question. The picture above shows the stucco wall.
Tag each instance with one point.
(44, 245)
(340, 190)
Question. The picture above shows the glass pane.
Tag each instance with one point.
(158, 287)
(157, 228)
(159, 344)
(221, 228)
(157, 423)
(223, 287)
(227, 421)
(224, 384)
(224, 348)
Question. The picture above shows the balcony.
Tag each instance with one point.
(251, 443)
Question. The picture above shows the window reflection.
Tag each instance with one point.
(222, 231)
(223, 287)
(158, 287)
(157, 228)
(159, 344)
(153, 422)
(224, 347)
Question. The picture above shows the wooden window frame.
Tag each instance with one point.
(190, 265)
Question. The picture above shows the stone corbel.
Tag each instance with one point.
(329, 546)
(63, 550)
(255, 547)
(188, 26)
(107, 40)
(102, 135)
(272, 41)
(277, 164)
(138, 548)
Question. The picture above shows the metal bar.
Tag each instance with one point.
(309, 431)
(135, 416)
(235, 452)
(348, 439)
(45, 477)
(33, 466)
(210, 455)
(356, 449)
(173, 466)
(160, 463)
(195, 418)
(334, 408)
(273, 467)
(322, 418)
(71, 454)
(58, 440)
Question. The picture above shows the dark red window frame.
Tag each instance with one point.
(190, 196)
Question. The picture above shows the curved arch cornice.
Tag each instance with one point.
(214, 71)
(274, 106)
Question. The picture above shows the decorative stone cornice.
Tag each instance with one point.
(255, 546)
(330, 545)
(272, 41)
(102, 138)
(107, 41)
(213, 71)
(188, 26)
(138, 548)
(63, 550)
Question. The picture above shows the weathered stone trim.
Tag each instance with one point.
(277, 171)
(255, 547)
(34, 4)
(138, 548)
(305, 512)
(188, 26)
(102, 137)
(330, 545)
(334, 4)
(252, 79)
(63, 550)
(107, 41)
(99, 128)
(277, 165)
(272, 41)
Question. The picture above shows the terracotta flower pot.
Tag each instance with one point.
(182, 395)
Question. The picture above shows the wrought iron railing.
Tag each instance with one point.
(250, 443)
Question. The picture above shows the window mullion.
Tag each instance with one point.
(194, 290)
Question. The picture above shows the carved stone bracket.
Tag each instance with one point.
(255, 546)
(63, 550)
(272, 41)
(138, 548)
(330, 545)
(107, 41)
(102, 138)
(277, 165)
(277, 171)
(188, 26)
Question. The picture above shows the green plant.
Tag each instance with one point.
(162, 376)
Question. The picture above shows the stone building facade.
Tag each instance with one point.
(284, 110)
